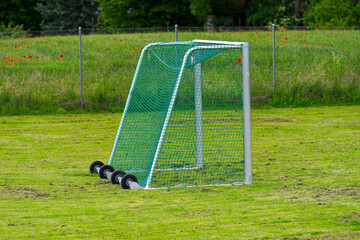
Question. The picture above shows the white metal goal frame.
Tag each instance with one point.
(244, 46)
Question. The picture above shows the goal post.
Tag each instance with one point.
(246, 103)
(187, 119)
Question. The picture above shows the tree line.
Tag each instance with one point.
(70, 14)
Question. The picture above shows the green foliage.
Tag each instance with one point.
(145, 13)
(10, 28)
(200, 9)
(114, 14)
(64, 14)
(273, 12)
(333, 13)
(19, 12)
(70, 14)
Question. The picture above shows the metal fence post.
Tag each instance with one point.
(81, 77)
(176, 32)
(274, 67)
(176, 39)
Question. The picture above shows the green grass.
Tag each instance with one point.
(315, 67)
(305, 172)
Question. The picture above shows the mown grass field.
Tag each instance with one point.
(305, 170)
(41, 73)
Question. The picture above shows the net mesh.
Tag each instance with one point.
(183, 122)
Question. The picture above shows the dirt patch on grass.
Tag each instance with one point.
(230, 120)
(348, 235)
(203, 212)
(352, 219)
(322, 196)
(104, 185)
(102, 182)
(207, 120)
(19, 192)
(277, 120)
(345, 235)
(334, 192)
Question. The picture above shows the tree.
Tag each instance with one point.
(221, 12)
(200, 9)
(296, 8)
(145, 13)
(333, 13)
(247, 11)
(68, 14)
(19, 12)
(284, 12)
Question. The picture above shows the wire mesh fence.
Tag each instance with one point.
(40, 70)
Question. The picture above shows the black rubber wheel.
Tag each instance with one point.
(94, 164)
(114, 177)
(102, 171)
(126, 178)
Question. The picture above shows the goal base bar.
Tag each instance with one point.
(194, 186)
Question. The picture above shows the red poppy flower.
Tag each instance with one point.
(61, 56)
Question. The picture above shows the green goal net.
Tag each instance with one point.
(187, 118)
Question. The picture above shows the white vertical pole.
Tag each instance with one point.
(81, 76)
(247, 113)
(198, 115)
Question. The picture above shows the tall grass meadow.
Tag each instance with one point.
(40, 71)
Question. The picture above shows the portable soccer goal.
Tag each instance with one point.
(187, 117)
